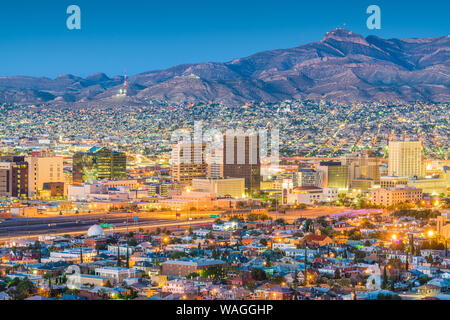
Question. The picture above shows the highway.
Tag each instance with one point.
(20, 228)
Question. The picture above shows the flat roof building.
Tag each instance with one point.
(183, 267)
(234, 187)
(405, 158)
(392, 196)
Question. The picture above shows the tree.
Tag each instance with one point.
(132, 242)
(118, 256)
(250, 285)
(295, 282)
(306, 263)
(385, 280)
(392, 282)
(258, 274)
(337, 274)
(277, 279)
(388, 296)
(192, 275)
(128, 258)
(177, 255)
(23, 289)
(48, 277)
(37, 245)
(267, 261)
(217, 273)
(99, 246)
(214, 254)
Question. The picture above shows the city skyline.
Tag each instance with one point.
(320, 171)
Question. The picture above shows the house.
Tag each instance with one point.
(240, 280)
(273, 292)
(179, 286)
(118, 274)
(428, 290)
(82, 281)
(320, 240)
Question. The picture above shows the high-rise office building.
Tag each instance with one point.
(188, 162)
(334, 174)
(43, 166)
(363, 166)
(98, 163)
(305, 177)
(13, 177)
(241, 159)
(215, 163)
(405, 158)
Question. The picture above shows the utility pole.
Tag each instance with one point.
(81, 251)
(306, 263)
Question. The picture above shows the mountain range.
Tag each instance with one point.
(343, 67)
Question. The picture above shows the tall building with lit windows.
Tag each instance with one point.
(13, 177)
(43, 167)
(241, 159)
(362, 166)
(405, 158)
(189, 162)
(98, 163)
(334, 174)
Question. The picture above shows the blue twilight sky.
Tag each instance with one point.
(143, 35)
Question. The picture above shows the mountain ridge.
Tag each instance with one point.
(342, 67)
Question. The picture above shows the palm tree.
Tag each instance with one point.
(128, 258)
(118, 256)
(48, 277)
(306, 263)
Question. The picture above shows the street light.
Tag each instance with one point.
(165, 239)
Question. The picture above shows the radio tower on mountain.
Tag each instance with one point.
(125, 84)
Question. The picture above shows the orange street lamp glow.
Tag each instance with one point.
(430, 233)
